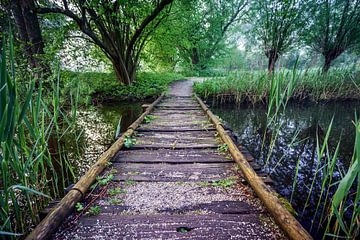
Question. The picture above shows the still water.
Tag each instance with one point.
(305, 122)
(97, 127)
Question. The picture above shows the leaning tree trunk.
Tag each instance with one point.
(329, 57)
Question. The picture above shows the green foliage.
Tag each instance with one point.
(253, 87)
(103, 181)
(275, 24)
(200, 30)
(149, 118)
(223, 148)
(79, 207)
(30, 170)
(93, 211)
(129, 141)
(104, 86)
(345, 200)
(115, 201)
(333, 28)
(132, 21)
(115, 191)
(224, 183)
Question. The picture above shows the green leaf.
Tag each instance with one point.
(26, 189)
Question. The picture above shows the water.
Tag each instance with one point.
(249, 124)
(97, 127)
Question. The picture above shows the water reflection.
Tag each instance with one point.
(97, 127)
(304, 121)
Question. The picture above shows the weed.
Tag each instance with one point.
(223, 148)
(102, 181)
(129, 141)
(115, 201)
(224, 183)
(149, 118)
(79, 207)
(93, 211)
(129, 182)
(115, 191)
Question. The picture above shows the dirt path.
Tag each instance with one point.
(176, 183)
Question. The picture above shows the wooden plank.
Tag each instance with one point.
(173, 173)
(182, 109)
(175, 146)
(187, 113)
(223, 207)
(176, 124)
(173, 129)
(180, 137)
(211, 226)
(171, 156)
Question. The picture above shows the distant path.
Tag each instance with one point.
(174, 183)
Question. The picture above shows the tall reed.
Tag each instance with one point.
(254, 86)
(346, 199)
(335, 213)
(33, 166)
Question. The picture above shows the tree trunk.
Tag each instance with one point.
(327, 64)
(194, 56)
(124, 75)
(30, 35)
(273, 56)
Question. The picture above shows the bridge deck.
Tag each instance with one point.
(174, 183)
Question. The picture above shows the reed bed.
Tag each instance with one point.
(253, 87)
(34, 168)
(337, 211)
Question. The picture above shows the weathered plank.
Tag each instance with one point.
(175, 128)
(223, 207)
(171, 156)
(211, 226)
(173, 173)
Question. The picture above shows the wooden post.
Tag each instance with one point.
(54, 219)
(281, 215)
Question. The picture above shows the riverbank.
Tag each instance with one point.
(97, 87)
(308, 86)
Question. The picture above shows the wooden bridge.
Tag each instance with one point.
(183, 178)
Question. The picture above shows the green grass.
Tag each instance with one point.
(102, 87)
(254, 87)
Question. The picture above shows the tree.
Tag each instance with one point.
(334, 28)
(29, 32)
(275, 24)
(196, 31)
(119, 28)
(207, 24)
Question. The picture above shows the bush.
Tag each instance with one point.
(102, 87)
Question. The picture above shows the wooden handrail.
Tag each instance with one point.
(54, 219)
(281, 215)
